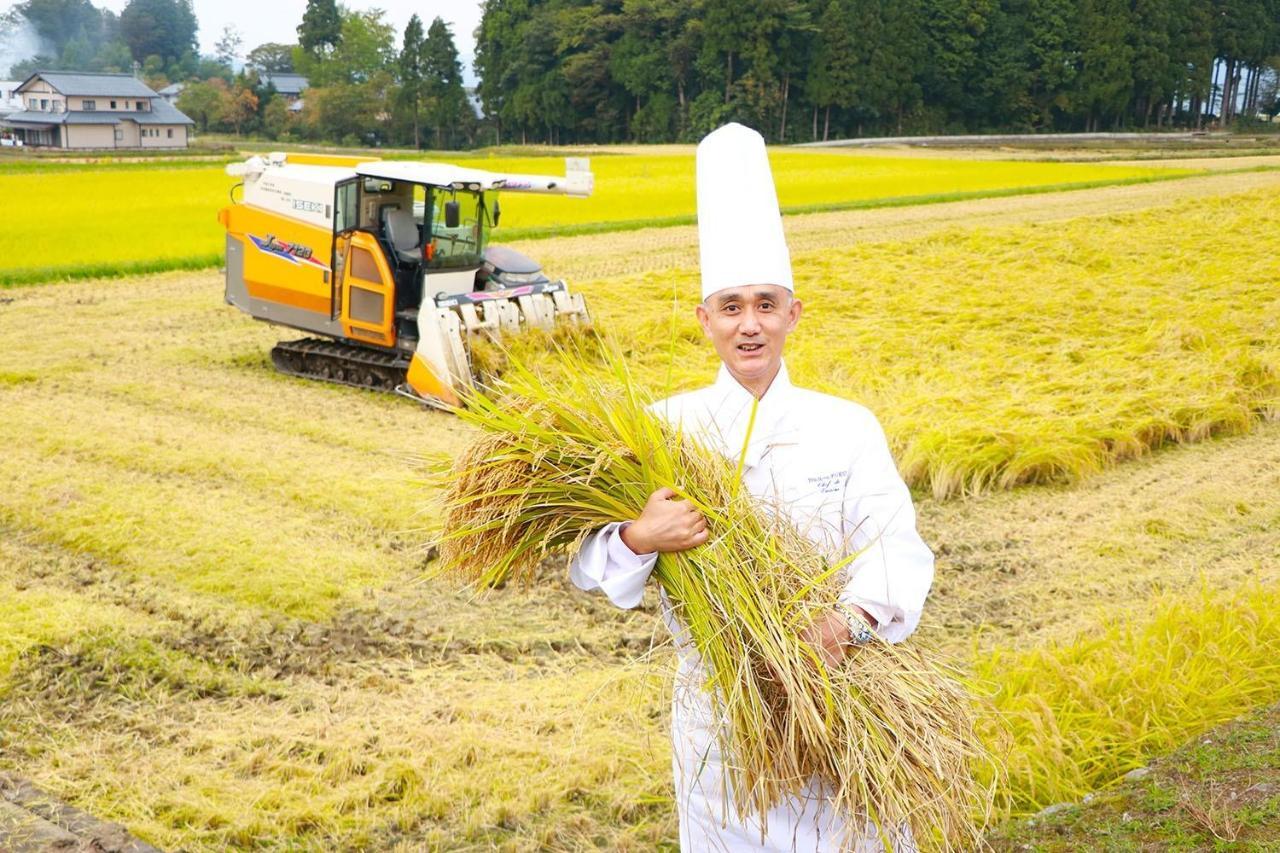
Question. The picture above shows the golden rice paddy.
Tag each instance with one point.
(77, 221)
(213, 620)
(1026, 354)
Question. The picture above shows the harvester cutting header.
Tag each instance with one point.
(389, 264)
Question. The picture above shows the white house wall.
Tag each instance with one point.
(88, 136)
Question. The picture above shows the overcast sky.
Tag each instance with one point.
(277, 20)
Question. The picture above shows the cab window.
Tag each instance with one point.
(346, 213)
(457, 245)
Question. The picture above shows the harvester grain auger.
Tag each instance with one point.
(387, 265)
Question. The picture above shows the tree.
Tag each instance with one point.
(275, 117)
(952, 31)
(343, 112)
(366, 47)
(1105, 82)
(447, 106)
(61, 22)
(499, 22)
(833, 72)
(164, 28)
(1054, 57)
(271, 57)
(1241, 40)
(411, 73)
(1149, 37)
(602, 70)
(240, 107)
(321, 28)
(227, 48)
(204, 102)
(1191, 56)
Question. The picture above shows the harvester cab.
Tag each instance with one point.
(387, 265)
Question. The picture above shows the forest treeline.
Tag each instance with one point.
(660, 70)
(600, 71)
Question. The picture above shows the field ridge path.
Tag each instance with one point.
(31, 821)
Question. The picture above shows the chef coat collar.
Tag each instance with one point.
(733, 389)
(734, 414)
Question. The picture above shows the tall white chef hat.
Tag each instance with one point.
(740, 237)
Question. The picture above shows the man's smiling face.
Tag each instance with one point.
(749, 326)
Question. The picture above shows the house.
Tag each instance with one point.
(290, 87)
(172, 92)
(83, 110)
(10, 101)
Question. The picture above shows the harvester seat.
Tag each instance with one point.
(402, 231)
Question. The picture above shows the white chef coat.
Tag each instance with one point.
(825, 464)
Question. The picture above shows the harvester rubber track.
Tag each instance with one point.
(316, 358)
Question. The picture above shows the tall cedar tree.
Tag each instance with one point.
(833, 71)
(411, 77)
(446, 100)
(1105, 83)
(163, 28)
(321, 27)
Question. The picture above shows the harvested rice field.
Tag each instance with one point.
(216, 626)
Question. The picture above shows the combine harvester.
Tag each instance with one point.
(388, 264)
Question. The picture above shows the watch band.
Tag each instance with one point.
(860, 632)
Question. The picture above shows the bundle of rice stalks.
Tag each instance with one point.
(889, 734)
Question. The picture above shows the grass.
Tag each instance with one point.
(83, 220)
(212, 615)
(1220, 790)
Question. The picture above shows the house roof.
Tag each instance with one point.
(9, 121)
(286, 84)
(92, 84)
(162, 112)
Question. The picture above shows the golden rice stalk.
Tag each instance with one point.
(890, 734)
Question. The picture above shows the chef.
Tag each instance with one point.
(819, 460)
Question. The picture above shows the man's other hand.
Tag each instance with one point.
(665, 525)
(829, 637)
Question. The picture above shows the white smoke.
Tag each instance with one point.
(19, 41)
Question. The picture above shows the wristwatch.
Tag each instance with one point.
(860, 632)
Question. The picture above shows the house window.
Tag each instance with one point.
(139, 104)
(113, 105)
(44, 103)
(31, 102)
(119, 135)
(89, 106)
(170, 130)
